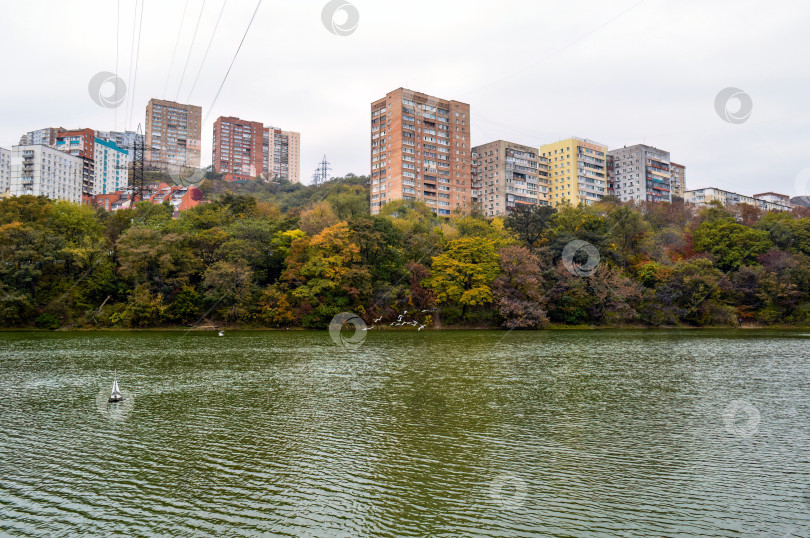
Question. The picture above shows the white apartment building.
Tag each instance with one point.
(110, 171)
(45, 136)
(703, 197)
(40, 170)
(5, 170)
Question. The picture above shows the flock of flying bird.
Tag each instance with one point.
(399, 322)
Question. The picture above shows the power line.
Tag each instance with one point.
(210, 108)
(174, 52)
(190, 50)
(131, 62)
(117, 42)
(137, 55)
(214, 33)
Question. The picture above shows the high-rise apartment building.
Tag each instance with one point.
(110, 170)
(476, 170)
(41, 170)
(5, 170)
(237, 147)
(81, 143)
(640, 173)
(282, 156)
(45, 136)
(173, 134)
(506, 175)
(420, 150)
(678, 173)
(246, 149)
(126, 140)
(577, 170)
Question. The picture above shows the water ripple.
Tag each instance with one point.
(570, 433)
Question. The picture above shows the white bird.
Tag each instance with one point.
(404, 312)
(378, 319)
(420, 328)
(399, 318)
(221, 333)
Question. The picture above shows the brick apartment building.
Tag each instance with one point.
(420, 150)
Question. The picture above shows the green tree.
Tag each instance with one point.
(530, 222)
(626, 229)
(732, 244)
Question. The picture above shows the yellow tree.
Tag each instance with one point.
(464, 273)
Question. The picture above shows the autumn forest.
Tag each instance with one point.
(291, 256)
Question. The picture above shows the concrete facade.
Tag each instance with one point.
(640, 173)
(173, 135)
(678, 173)
(506, 175)
(703, 197)
(81, 143)
(45, 136)
(40, 170)
(5, 170)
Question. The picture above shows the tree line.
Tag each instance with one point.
(280, 255)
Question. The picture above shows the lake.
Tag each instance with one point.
(406, 433)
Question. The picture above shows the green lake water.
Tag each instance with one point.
(406, 433)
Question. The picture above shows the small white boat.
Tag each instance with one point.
(115, 395)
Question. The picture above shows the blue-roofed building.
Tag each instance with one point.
(111, 170)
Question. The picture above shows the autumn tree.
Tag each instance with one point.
(518, 290)
(463, 275)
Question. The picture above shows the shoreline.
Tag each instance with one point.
(744, 327)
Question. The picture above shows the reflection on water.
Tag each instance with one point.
(557, 433)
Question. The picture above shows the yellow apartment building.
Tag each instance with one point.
(577, 170)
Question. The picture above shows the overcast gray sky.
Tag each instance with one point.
(619, 72)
